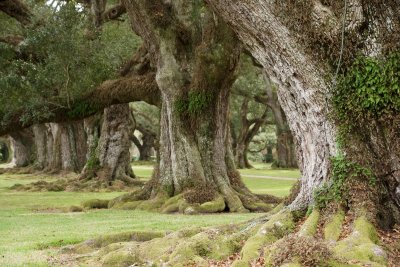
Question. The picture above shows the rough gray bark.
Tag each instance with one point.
(67, 144)
(43, 144)
(108, 155)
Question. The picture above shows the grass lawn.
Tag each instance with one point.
(32, 227)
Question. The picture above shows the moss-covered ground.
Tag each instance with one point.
(33, 225)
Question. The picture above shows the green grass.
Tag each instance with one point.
(278, 188)
(32, 226)
(260, 169)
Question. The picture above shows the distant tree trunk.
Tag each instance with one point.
(285, 149)
(241, 146)
(285, 146)
(68, 147)
(22, 144)
(43, 144)
(195, 70)
(109, 157)
(248, 129)
(146, 148)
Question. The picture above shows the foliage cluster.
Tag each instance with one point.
(343, 171)
(57, 61)
(82, 109)
(195, 103)
(370, 90)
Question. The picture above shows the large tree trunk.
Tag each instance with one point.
(108, 155)
(301, 84)
(22, 146)
(291, 41)
(67, 143)
(195, 70)
(44, 145)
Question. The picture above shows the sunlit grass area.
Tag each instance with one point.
(260, 169)
(33, 225)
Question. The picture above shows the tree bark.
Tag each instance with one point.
(302, 88)
(67, 144)
(108, 155)
(22, 145)
(44, 140)
(241, 144)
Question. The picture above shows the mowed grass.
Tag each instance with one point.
(33, 225)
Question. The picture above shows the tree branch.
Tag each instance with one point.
(123, 90)
(16, 9)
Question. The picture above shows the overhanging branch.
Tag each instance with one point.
(119, 91)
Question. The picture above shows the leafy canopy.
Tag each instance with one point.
(57, 62)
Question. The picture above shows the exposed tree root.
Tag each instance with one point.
(270, 241)
(188, 203)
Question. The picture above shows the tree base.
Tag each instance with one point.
(276, 239)
(193, 201)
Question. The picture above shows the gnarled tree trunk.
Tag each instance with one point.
(108, 155)
(67, 144)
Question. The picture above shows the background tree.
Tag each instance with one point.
(259, 106)
(247, 115)
(148, 124)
